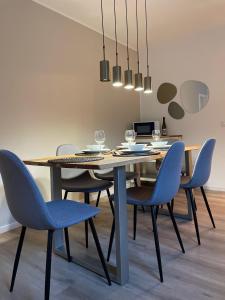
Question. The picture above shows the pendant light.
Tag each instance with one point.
(138, 75)
(147, 79)
(117, 81)
(128, 76)
(104, 64)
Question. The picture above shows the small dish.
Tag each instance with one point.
(159, 143)
(137, 147)
(95, 147)
(126, 145)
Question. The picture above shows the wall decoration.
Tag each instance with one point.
(175, 110)
(194, 95)
(166, 92)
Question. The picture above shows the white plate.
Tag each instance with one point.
(95, 151)
(162, 147)
(159, 143)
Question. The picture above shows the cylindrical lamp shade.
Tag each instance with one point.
(128, 79)
(147, 85)
(104, 70)
(138, 82)
(117, 76)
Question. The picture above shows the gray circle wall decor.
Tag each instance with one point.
(175, 110)
(166, 92)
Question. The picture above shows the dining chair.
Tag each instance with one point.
(110, 177)
(200, 176)
(166, 187)
(29, 209)
(80, 181)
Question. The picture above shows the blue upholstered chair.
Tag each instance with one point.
(166, 187)
(80, 181)
(29, 209)
(199, 178)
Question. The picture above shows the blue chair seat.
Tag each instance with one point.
(66, 213)
(84, 183)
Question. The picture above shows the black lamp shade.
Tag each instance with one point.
(104, 71)
(138, 82)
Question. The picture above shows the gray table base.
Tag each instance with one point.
(120, 272)
(188, 216)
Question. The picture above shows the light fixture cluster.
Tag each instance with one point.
(128, 74)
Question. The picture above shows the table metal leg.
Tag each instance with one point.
(120, 200)
(120, 273)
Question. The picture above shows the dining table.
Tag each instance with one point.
(120, 271)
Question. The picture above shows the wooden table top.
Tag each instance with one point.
(108, 162)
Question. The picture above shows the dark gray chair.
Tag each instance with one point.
(200, 176)
(166, 187)
(80, 181)
(109, 176)
(29, 209)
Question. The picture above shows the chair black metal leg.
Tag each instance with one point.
(86, 200)
(67, 241)
(111, 239)
(98, 198)
(175, 227)
(98, 246)
(172, 204)
(135, 222)
(207, 206)
(48, 264)
(156, 212)
(135, 182)
(194, 215)
(157, 248)
(65, 195)
(110, 201)
(17, 258)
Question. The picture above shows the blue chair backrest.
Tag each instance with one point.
(22, 194)
(202, 168)
(168, 179)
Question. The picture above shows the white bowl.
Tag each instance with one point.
(137, 147)
(127, 144)
(95, 147)
(159, 144)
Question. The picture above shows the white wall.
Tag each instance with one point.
(200, 57)
(50, 91)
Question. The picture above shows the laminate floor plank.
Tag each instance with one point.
(198, 274)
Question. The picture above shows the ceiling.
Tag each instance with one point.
(168, 19)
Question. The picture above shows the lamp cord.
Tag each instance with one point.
(147, 48)
(128, 57)
(103, 31)
(137, 36)
(116, 33)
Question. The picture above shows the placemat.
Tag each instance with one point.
(75, 159)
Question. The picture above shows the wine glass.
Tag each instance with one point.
(156, 135)
(130, 136)
(100, 138)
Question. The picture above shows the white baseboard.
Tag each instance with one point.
(215, 189)
(9, 227)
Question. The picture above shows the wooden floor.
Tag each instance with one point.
(198, 274)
